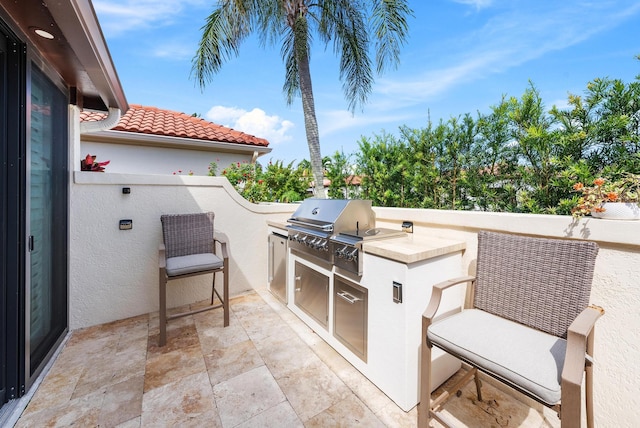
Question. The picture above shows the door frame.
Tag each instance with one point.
(14, 204)
(13, 147)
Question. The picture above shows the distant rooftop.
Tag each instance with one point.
(155, 121)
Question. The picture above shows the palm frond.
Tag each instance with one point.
(222, 34)
(271, 21)
(291, 87)
(388, 19)
(296, 48)
(351, 43)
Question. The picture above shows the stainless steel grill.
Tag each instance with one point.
(316, 220)
(332, 230)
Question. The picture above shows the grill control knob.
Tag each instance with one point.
(352, 255)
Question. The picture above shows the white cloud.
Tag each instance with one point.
(120, 16)
(177, 51)
(511, 38)
(479, 4)
(333, 121)
(561, 104)
(255, 122)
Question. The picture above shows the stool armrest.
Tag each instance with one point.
(579, 334)
(436, 295)
(223, 240)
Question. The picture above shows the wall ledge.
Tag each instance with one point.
(116, 179)
(616, 232)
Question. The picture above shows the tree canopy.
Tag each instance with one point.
(519, 157)
(351, 27)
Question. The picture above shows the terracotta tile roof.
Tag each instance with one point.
(155, 121)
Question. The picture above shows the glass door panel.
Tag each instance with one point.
(47, 315)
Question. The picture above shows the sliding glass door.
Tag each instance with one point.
(34, 186)
(47, 240)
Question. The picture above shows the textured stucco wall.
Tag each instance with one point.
(114, 273)
(160, 160)
(616, 287)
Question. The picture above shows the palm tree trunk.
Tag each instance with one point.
(311, 125)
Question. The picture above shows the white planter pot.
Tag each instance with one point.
(619, 211)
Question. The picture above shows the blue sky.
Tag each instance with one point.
(461, 57)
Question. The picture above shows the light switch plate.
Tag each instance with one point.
(397, 292)
(126, 224)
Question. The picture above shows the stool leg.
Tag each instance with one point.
(478, 385)
(163, 309)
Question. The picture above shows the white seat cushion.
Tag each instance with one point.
(517, 354)
(193, 263)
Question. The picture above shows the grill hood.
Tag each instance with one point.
(334, 215)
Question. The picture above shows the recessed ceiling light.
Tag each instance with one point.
(42, 33)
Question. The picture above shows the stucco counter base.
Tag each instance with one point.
(393, 326)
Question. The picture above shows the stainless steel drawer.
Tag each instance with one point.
(350, 316)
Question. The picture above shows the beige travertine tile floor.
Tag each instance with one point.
(267, 369)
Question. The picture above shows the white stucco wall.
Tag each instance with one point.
(132, 159)
(616, 287)
(113, 274)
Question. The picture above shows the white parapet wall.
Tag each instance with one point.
(113, 273)
(616, 288)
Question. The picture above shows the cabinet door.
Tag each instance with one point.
(312, 293)
(350, 316)
(278, 266)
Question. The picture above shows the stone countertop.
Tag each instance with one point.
(277, 224)
(409, 249)
(412, 248)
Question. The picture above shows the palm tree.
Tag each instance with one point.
(349, 24)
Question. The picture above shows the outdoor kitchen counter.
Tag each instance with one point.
(277, 224)
(374, 320)
(412, 248)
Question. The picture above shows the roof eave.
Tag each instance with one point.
(132, 138)
(78, 21)
(78, 52)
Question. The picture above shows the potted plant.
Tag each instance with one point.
(616, 199)
(89, 164)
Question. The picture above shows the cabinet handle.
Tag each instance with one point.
(351, 299)
(271, 261)
(298, 278)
